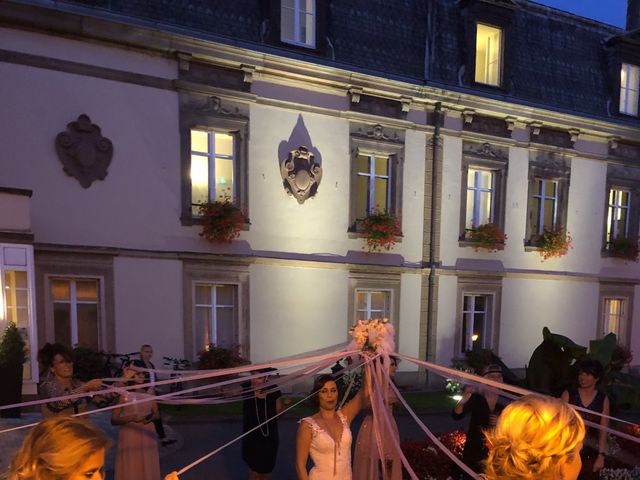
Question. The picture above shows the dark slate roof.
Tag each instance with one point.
(558, 58)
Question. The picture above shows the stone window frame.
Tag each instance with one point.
(379, 143)
(378, 281)
(193, 116)
(76, 267)
(203, 272)
(616, 290)
(485, 157)
(479, 285)
(622, 178)
(551, 169)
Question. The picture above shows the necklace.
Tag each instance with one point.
(336, 445)
(265, 433)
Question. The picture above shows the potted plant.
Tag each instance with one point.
(222, 220)
(380, 229)
(487, 236)
(12, 357)
(553, 242)
(624, 247)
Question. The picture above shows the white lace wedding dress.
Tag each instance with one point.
(330, 461)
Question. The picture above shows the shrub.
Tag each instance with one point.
(380, 229)
(428, 461)
(221, 221)
(214, 357)
(553, 242)
(625, 248)
(487, 237)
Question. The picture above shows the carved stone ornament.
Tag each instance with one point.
(378, 132)
(485, 151)
(301, 175)
(83, 151)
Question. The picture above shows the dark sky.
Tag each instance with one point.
(612, 12)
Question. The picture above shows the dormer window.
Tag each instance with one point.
(298, 22)
(489, 54)
(629, 86)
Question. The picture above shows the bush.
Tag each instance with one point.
(89, 364)
(13, 350)
(487, 237)
(380, 229)
(428, 461)
(214, 357)
(221, 221)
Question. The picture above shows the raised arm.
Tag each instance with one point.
(303, 444)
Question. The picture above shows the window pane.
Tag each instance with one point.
(382, 165)
(623, 198)
(287, 3)
(378, 301)
(226, 295)
(485, 208)
(202, 327)
(477, 335)
(60, 290)
(480, 303)
(470, 201)
(537, 221)
(199, 179)
(199, 141)
(362, 196)
(467, 325)
(308, 34)
(224, 144)
(286, 24)
(362, 163)
(88, 325)
(16, 279)
(380, 194)
(550, 190)
(549, 211)
(87, 290)
(467, 303)
(225, 323)
(62, 323)
(361, 300)
(488, 54)
(224, 179)
(203, 295)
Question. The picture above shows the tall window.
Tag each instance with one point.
(297, 22)
(614, 316)
(476, 329)
(215, 315)
(545, 204)
(373, 184)
(76, 312)
(212, 167)
(480, 197)
(618, 214)
(488, 54)
(629, 86)
(373, 304)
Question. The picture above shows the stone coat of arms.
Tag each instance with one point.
(301, 175)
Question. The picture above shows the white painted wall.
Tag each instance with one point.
(446, 327)
(148, 306)
(408, 337)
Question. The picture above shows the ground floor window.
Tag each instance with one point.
(76, 311)
(216, 307)
(17, 298)
(614, 316)
(616, 305)
(373, 304)
(476, 317)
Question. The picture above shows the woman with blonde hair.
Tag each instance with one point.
(61, 448)
(536, 438)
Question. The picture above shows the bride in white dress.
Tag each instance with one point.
(326, 436)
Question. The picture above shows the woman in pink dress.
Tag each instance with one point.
(137, 456)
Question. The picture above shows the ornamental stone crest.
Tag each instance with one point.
(83, 151)
(301, 175)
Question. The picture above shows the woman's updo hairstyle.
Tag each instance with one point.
(318, 384)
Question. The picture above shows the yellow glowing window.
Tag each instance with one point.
(614, 313)
(212, 167)
(545, 204)
(629, 86)
(298, 22)
(215, 310)
(373, 304)
(76, 312)
(480, 197)
(488, 54)
(373, 187)
(475, 322)
(619, 203)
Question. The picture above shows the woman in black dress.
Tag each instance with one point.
(586, 395)
(260, 447)
(485, 408)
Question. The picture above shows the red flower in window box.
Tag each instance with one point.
(624, 247)
(553, 242)
(380, 229)
(487, 237)
(221, 221)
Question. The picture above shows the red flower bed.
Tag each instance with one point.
(553, 242)
(221, 221)
(380, 230)
(428, 461)
(487, 237)
(625, 248)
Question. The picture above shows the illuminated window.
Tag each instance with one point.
(298, 22)
(488, 54)
(629, 86)
(373, 184)
(216, 307)
(76, 312)
(545, 205)
(212, 167)
(373, 304)
(480, 197)
(618, 214)
(475, 322)
(614, 315)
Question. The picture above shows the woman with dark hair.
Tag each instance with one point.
(58, 382)
(586, 395)
(326, 435)
(484, 407)
(260, 447)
